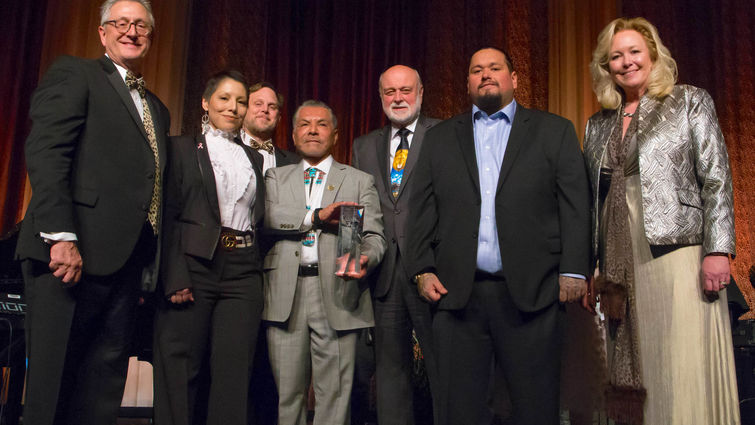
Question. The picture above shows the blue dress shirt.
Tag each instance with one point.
(491, 135)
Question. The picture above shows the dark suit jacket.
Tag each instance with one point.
(284, 157)
(89, 163)
(370, 154)
(192, 215)
(542, 208)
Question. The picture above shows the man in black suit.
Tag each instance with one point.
(390, 155)
(501, 237)
(262, 117)
(95, 157)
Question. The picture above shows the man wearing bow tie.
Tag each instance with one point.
(95, 157)
(261, 120)
(314, 315)
(262, 117)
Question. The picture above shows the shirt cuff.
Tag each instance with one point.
(58, 237)
(576, 275)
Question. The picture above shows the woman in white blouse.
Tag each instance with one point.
(211, 278)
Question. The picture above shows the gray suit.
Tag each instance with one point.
(398, 306)
(315, 313)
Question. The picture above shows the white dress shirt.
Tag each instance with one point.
(235, 180)
(309, 253)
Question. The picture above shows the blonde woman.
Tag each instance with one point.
(663, 233)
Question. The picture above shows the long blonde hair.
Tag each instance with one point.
(662, 76)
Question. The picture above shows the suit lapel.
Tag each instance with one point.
(517, 137)
(333, 183)
(208, 176)
(649, 118)
(382, 156)
(120, 87)
(419, 135)
(465, 137)
(295, 180)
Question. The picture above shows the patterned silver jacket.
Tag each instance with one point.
(684, 170)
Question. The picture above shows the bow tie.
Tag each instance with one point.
(267, 145)
(134, 82)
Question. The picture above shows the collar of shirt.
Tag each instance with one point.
(323, 165)
(507, 113)
(227, 135)
(411, 126)
(121, 70)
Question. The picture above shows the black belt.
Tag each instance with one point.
(308, 270)
(483, 275)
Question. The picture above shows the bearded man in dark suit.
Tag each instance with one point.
(390, 154)
(502, 235)
(95, 157)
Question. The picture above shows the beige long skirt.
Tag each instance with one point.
(686, 351)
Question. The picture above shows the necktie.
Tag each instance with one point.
(312, 176)
(134, 82)
(399, 161)
(267, 145)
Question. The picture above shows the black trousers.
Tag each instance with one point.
(396, 314)
(78, 340)
(526, 346)
(216, 334)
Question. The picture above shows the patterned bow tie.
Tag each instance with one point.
(134, 82)
(268, 145)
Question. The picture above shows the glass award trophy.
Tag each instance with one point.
(349, 240)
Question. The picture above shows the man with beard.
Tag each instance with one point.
(499, 236)
(390, 155)
(261, 119)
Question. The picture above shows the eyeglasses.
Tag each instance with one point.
(123, 26)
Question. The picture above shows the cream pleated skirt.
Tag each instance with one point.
(686, 351)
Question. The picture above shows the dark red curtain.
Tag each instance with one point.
(713, 42)
(19, 69)
(335, 51)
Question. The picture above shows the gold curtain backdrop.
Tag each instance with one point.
(335, 51)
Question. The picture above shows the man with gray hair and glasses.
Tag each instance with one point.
(95, 157)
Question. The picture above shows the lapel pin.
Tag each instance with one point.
(200, 146)
(331, 187)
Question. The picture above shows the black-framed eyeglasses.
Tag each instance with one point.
(124, 25)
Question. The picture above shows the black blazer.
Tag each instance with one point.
(542, 208)
(371, 154)
(192, 215)
(89, 162)
(284, 157)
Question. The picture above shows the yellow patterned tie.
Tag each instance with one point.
(134, 82)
